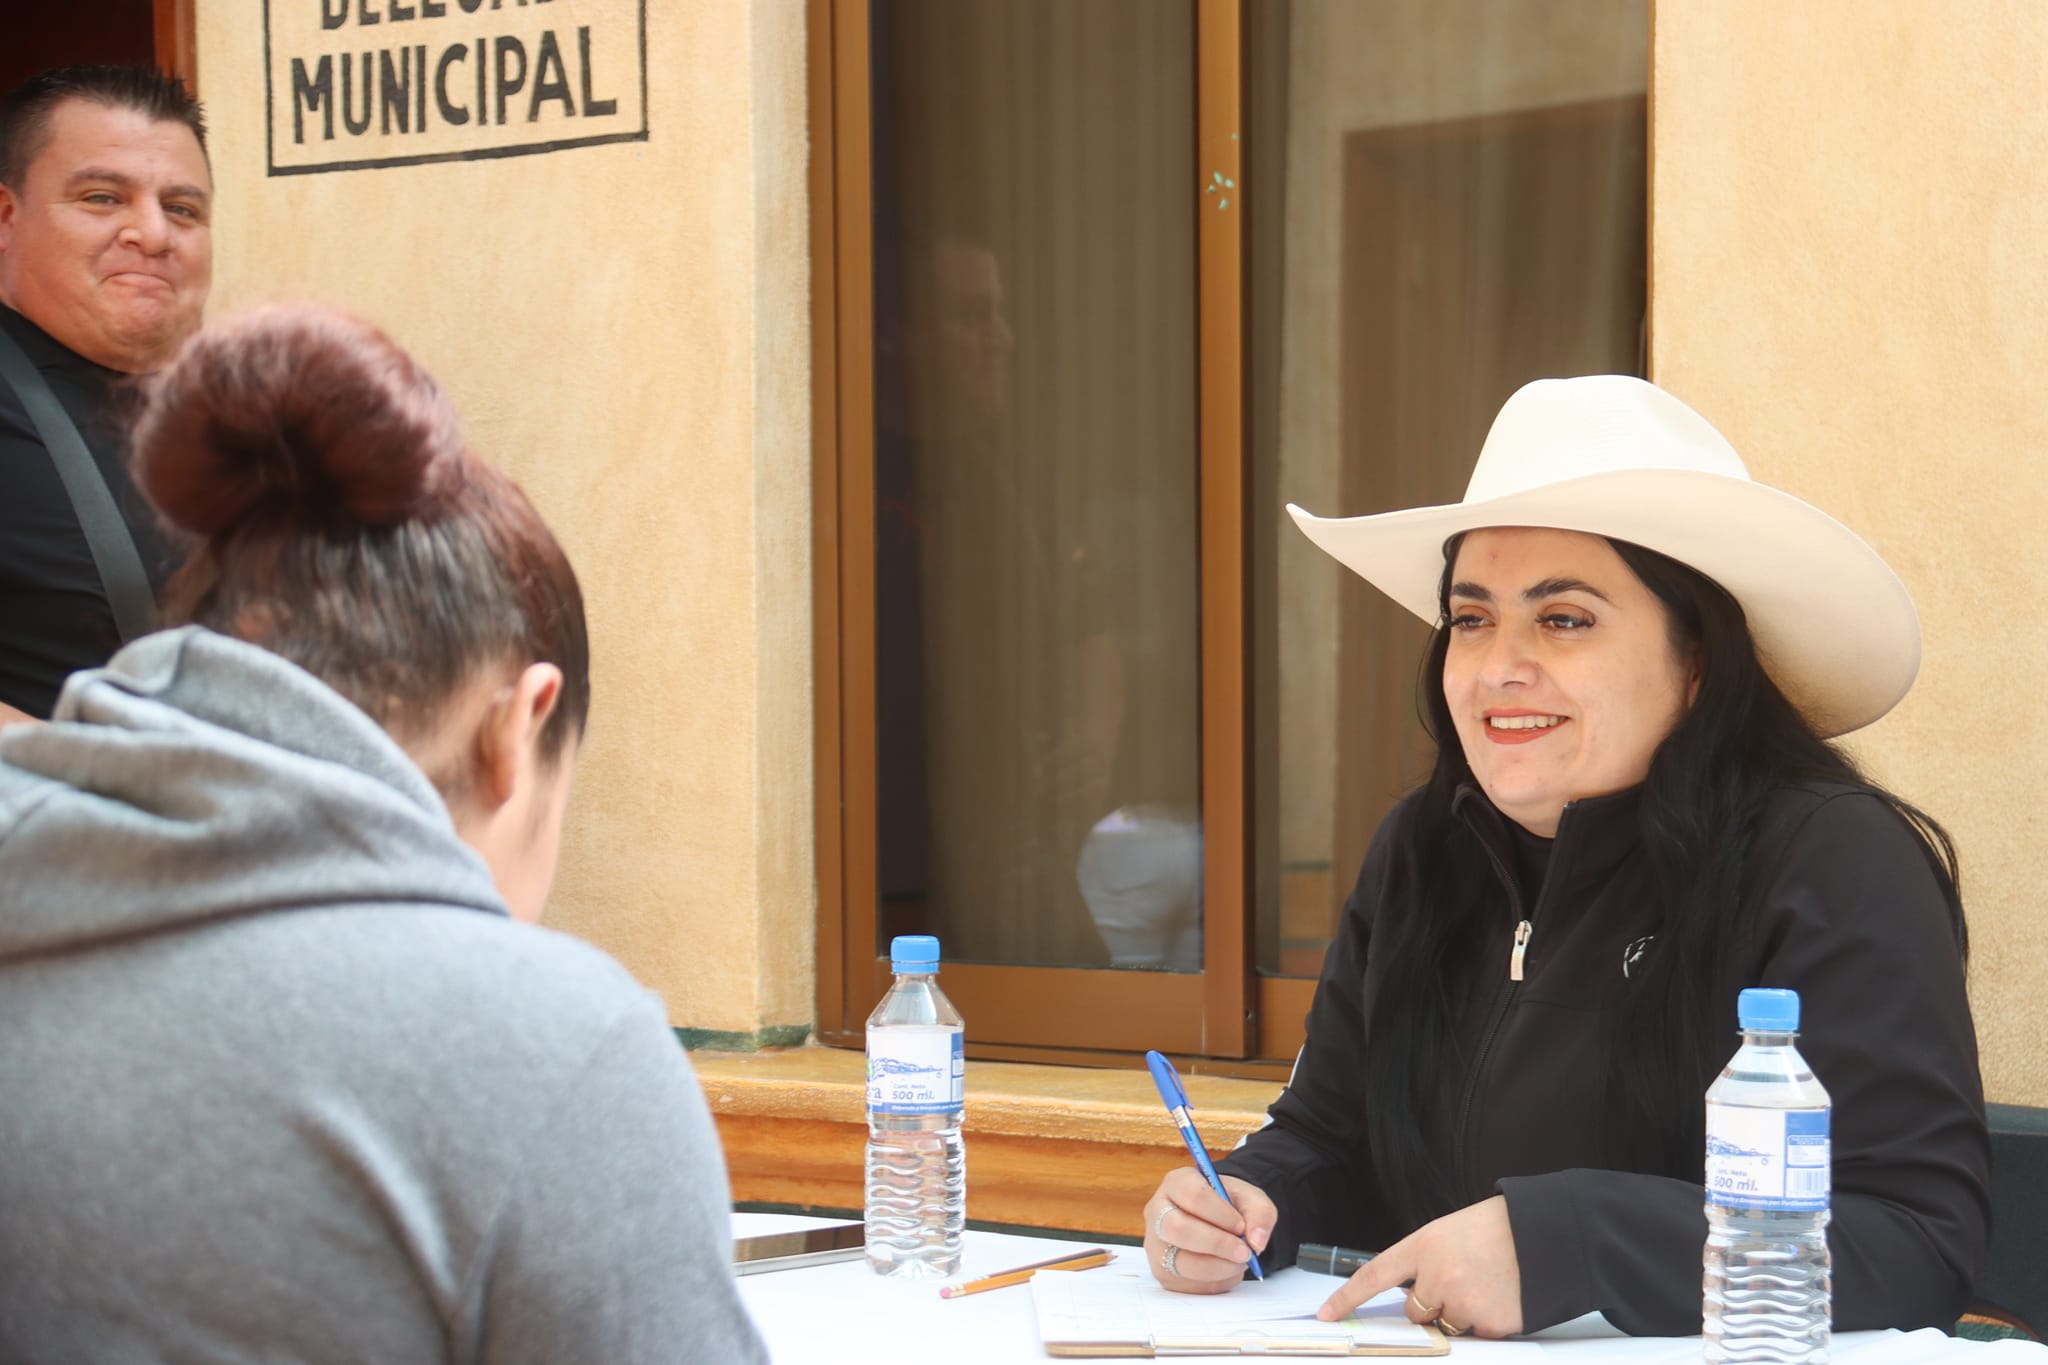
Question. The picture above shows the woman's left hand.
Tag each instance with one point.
(1461, 1270)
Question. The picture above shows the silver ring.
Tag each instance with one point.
(1159, 1222)
(1166, 1262)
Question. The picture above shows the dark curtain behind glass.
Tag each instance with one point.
(1036, 665)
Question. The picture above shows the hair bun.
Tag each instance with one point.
(297, 413)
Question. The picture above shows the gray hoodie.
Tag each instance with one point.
(280, 1081)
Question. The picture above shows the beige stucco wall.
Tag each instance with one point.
(1850, 217)
(625, 328)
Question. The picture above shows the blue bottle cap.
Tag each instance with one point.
(914, 953)
(1767, 1011)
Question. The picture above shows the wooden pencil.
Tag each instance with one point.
(1073, 1260)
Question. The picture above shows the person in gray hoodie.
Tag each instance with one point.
(283, 1074)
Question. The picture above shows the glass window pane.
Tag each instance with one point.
(1035, 478)
(1463, 202)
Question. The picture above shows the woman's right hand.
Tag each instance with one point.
(1210, 1235)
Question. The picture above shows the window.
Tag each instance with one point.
(1099, 288)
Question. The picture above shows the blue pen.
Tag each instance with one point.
(1168, 1081)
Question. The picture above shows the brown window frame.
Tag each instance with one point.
(177, 41)
(1227, 1013)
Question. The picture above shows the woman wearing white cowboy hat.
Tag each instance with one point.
(1634, 813)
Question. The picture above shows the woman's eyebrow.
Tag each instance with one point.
(1552, 587)
(1549, 587)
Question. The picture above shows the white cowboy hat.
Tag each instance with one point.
(1615, 456)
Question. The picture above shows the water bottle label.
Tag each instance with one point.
(1775, 1159)
(916, 1071)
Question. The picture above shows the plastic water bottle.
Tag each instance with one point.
(1766, 1288)
(917, 1165)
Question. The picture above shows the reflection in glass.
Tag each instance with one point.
(1461, 203)
(1035, 472)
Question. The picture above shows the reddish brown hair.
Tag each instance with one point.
(345, 524)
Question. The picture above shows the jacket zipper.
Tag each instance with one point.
(1494, 1017)
(1493, 1023)
(1522, 932)
(1525, 929)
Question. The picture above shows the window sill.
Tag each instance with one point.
(1048, 1146)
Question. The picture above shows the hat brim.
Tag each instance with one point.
(1833, 625)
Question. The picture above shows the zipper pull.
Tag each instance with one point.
(1522, 932)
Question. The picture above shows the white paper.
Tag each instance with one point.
(1113, 1304)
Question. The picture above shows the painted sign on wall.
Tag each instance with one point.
(354, 84)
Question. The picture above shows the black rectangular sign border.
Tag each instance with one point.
(272, 169)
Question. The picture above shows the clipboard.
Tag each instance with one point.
(1124, 1313)
(1280, 1347)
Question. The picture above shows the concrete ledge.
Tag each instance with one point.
(1055, 1147)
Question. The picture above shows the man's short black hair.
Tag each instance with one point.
(25, 113)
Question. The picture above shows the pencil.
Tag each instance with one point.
(1073, 1260)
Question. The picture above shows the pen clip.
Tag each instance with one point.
(1167, 1081)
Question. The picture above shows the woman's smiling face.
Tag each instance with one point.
(1561, 673)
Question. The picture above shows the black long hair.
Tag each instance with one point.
(1707, 787)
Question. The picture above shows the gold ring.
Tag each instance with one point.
(1444, 1324)
(1428, 1314)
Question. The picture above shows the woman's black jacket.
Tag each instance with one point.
(1845, 909)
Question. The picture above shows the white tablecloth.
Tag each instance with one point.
(844, 1314)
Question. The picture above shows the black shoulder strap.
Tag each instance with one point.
(112, 545)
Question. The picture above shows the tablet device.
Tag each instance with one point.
(807, 1246)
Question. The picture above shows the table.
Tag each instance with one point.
(846, 1315)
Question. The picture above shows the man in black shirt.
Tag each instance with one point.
(106, 255)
